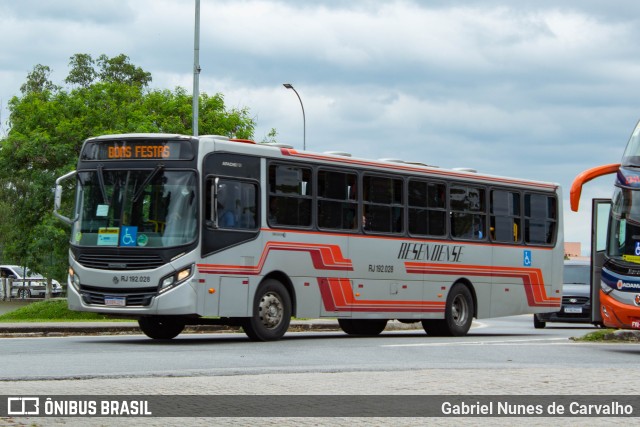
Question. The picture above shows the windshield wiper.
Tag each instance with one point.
(102, 188)
(146, 181)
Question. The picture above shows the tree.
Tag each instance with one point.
(38, 81)
(82, 70)
(48, 124)
(120, 70)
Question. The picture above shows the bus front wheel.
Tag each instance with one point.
(161, 328)
(537, 323)
(368, 327)
(271, 312)
(458, 314)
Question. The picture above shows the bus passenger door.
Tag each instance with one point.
(600, 210)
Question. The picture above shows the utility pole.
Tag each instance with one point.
(196, 70)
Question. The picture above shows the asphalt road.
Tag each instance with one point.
(499, 357)
(491, 344)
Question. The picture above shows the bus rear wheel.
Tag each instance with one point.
(368, 327)
(458, 314)
(271, 312)
(161, 327)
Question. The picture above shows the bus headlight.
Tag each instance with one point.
(74, 279)
(175, 279)
(605, 288)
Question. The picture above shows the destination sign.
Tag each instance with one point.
(137, 150)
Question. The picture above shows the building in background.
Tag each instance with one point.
(573, 250)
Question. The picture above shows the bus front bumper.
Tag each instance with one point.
(618, 315)
(181, 300)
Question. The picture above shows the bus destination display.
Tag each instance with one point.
(137, 150)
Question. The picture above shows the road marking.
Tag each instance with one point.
(507, 342)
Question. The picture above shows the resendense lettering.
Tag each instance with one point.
(430, 252)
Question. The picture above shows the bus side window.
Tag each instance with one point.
(233, 204)
(505, 216)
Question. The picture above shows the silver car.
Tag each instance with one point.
(27, 284)
(576, 296)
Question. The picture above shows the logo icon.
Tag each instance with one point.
(619, 284)
(637, 299)
(526, 261)
(23, 406)
(115, 280)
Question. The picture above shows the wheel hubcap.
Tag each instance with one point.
(459, 311)
(271, 310)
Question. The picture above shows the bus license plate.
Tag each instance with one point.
(115, 301)
(573, 309)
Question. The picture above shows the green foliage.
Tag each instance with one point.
(48, 124)
(610, 335)
(49, 311)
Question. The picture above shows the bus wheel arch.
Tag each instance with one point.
(271, 312)
(288, 284)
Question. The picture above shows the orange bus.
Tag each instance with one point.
(616, 240)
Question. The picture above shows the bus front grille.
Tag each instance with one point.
(120, 262)
(132, 297)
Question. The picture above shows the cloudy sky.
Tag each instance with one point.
(527, 88)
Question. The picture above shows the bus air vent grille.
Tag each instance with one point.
(120, 262)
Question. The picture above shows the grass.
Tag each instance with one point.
(50, 311)
(609, 335)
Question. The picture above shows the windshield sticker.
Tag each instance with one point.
(143, 239)
(108, 236)
(631, 258)
(102, 210)
(128, 235)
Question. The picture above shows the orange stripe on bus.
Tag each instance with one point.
(532, 278)
(337, 296)
(324, 257)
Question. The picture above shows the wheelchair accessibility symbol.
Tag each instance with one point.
(526, 261)
(128, 235)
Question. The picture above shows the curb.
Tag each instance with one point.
(131, 328)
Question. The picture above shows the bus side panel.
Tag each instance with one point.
(382, 285)
(527, 280)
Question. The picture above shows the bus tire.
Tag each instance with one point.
(271, 312)
(537, 323)
(161, 327)
(367, 327)
(457, 317)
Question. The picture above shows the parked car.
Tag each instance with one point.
(27, 284)
(576, 296)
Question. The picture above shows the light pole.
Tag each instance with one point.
(304, 120)
(196, 71)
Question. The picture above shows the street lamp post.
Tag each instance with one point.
(304, 120)
(196, 71)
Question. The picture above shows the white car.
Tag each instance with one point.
(27, 284)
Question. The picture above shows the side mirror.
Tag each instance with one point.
(57, 200)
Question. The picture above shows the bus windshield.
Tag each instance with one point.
(631, 155)
(624, 227)
(135, 208)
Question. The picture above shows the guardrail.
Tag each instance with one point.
(25, 289)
